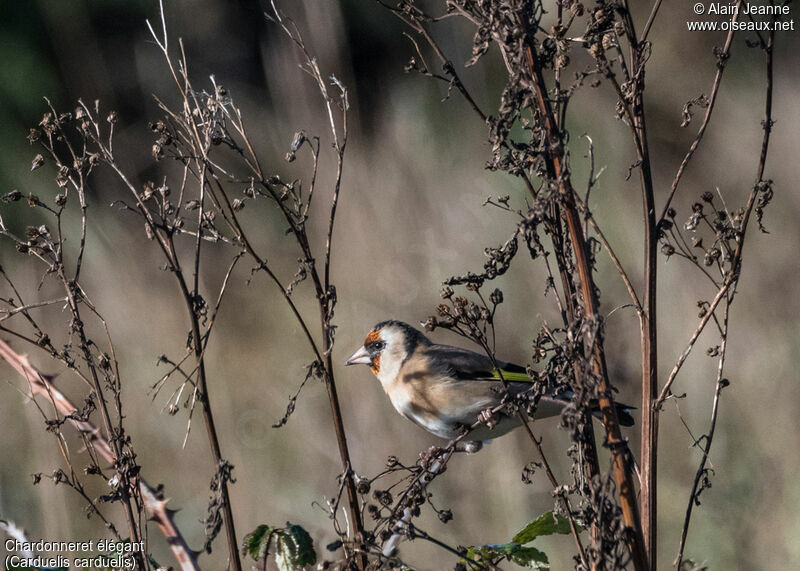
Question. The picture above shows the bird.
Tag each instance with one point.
(444, 389)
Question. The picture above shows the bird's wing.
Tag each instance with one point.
(466, 365)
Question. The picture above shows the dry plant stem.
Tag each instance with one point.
(708, 438)
(721, 65)
(647, 315)
(589, 445)
(208, 416)
(167, 246)
(732, 277)
(40, 384)
(621, 459)
(666, 389)
(563, 497)
(649, 340)
(103, 405)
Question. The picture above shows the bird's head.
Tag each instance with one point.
(387, 346)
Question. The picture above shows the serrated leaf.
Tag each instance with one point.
(295, 548)
(256, 543)
(545, 524)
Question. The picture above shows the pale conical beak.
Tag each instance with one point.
(360, 357)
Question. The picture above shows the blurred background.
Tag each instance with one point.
(410, 216)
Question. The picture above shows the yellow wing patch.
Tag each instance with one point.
(510, 376)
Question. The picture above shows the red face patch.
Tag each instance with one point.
(375, 365)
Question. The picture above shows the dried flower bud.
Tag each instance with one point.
(12, 196)
(496, 297)
(112, 117)
(671, 212)
(61, 199)
(37, 162)
(596, 50)
(148, 189)
(576, 9)
(33, 200)
(362, 485)
(238, 204)
(609, 41)
(707, 196)
(667, 250)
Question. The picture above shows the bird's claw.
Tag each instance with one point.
(487, 417)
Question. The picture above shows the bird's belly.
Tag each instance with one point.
(423, 418)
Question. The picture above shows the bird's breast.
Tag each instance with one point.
(417, 407)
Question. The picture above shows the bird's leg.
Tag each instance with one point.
(468, 446)
(488, 418)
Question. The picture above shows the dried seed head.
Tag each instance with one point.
(37, 162)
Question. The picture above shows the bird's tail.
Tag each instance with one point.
(623, 413)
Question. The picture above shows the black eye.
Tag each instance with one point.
(376, 345)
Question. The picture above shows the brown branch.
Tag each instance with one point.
(41, 384)
(621, 458)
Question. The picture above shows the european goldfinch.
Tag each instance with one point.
(444, 389)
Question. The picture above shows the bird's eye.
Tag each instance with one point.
(376, 345)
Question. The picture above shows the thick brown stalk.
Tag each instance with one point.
(621, 458)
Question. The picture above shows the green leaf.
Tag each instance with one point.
(256, 543)
(530, 557)
(545, 524)
(521, 555)
(295, 548)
